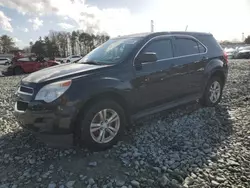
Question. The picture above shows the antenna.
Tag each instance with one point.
(186, 28)
(152, 25)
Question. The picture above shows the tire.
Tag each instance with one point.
(207, 99)
(91, 116)
(18, 71)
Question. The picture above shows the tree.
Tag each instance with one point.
(39, 48)
(7, 43)
(73, 39)
(247, 40)
(64, 43)
(50, 47)
(85, 40)
(62, 38)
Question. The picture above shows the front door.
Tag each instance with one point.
(154, 81)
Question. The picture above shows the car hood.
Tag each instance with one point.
(60, 71)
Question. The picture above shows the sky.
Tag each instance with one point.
(26, 20)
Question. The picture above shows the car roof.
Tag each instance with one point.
(154, 34)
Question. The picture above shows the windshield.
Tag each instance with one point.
(111, 52)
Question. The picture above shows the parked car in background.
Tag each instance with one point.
(28, 65)
(122, 80)
(230, 52)
(71, 59)
(243, 53)
(4, 61)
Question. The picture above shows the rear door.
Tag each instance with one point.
(190, 54)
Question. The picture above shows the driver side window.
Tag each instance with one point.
(162, 48)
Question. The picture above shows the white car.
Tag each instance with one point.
(71, 58)
(4, 61)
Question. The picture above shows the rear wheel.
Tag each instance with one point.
(102, 125)
(18, 71)
(213, 92)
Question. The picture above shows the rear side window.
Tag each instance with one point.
(212, 45)
(162, 48)
(186, 46)
(202, 49)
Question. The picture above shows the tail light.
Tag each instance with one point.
(225, 57)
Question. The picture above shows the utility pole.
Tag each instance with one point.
(243, 37)
(152, 25)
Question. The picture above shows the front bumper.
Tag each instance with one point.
(37, 118)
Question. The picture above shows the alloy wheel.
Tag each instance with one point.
(105, 126)
(215, 91)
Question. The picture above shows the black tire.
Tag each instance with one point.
(82, 131)
(18, 71)
(206, 100)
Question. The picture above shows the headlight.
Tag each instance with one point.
(53, 91)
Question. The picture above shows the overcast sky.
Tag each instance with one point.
(26, 20)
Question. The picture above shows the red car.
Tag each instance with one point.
(28, 65)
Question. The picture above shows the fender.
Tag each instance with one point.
(214, 65)
(98, 86)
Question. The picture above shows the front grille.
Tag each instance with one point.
(26, 90)
(22, 106)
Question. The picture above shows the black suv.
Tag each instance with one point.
(122, 80)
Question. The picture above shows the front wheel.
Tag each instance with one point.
(18, 71)
(213, 92)
(102, 125)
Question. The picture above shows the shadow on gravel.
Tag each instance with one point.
(163, 152)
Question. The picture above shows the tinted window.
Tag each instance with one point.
(75, 56)
(162, 48)
(202, 49)
(212, 45)
(184, 46)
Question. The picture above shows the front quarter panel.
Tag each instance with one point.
(87, 87)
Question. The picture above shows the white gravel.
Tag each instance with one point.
(185, 147)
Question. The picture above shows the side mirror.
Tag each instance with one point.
(145, 58)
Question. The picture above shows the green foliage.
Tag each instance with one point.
(64, 43)
(6, 43)
(45, 48)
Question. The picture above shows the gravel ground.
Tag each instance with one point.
(185, 147)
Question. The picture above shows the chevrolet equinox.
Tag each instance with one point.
(125, 78)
